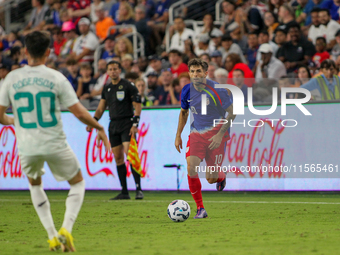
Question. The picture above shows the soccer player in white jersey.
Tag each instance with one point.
(36, 93)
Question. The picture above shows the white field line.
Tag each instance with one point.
(168, 201)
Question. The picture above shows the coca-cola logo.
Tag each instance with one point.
(97, 156)
(254, 150)
(9, 158)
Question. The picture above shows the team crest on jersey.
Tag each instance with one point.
(120, 95)
(120, 87)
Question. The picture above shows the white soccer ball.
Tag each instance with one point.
(178, 210)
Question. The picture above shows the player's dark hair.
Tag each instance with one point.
(328, 63)
(325, 10)
(37, 43)
(198, 62)
(239, 71)
(114, 63)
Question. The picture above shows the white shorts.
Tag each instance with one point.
(64, 165)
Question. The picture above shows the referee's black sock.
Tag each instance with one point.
(122, 177)
(136, 176)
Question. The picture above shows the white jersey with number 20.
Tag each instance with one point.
(36, 94)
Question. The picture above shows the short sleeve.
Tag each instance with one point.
(225, 98)
(67, 95)
(103, 94)
(135, 96)
(185, 97)
(4, 95)
(91, 42)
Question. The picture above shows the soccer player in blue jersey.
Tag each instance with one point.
(205, 141)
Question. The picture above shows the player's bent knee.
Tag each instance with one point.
(77, 178)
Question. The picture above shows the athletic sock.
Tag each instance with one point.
(42, 207)
(221, 176)
(122, 177)
(74, 202)
(136, 176)
(195, 189)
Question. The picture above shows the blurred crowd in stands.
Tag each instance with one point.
(255, 44)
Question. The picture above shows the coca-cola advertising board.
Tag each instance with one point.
(263, 153)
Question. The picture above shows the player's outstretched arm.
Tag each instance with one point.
(99, 112)
(84, 116)
(183, 117)
(4, 118)
(217, 139)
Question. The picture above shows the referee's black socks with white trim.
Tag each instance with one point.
(136, 176)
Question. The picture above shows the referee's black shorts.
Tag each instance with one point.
(119, 131)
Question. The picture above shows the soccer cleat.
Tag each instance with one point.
(221, 185)
(55, 244)
(66, 239)
(201, 213)
(121, 196)
(139, 194)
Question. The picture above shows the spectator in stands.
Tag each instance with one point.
(239, 38)
(203, 44)
(333, 7)
(314, 30)
(155, 65)
(238, 79)
(181, 35)
(85, 82)
(321, 53)
(153, 88)
(335, 53)
(142, 63)
(73, 70)
(51, 18)
(4, 70)
(37, 15)
(159, 20)
(297, 51)
(142, 27)
(189, 52)
(149, 6)
(327, 85)
(211, 71)
(114, 11)
(101, 68)
(304, 76)
(216, 40)
(103, 24)
(77, 9)
(109, 48)
(177, 66)
(96, 5)
(205, 57)
(175, 92)
(127, 63)
(184, 79)
(221, 75)
(216, 57)
(264, 38)
(299, 10)
(233, 61)
(85, 45)
(69, 31)
(166, 80)
(123, 46)
(58, 40)
(141, 86)
(269, 66)
(271, 22)
(125, 15)
(132, 77)
(229, 11)
(305, 16)
(230, 47)
(253, 46)
(102, 80)
(208, 25)
(274, 5)
(280, 40)
(255, 14)
(287, 16)
(9, 41)
(328, 28)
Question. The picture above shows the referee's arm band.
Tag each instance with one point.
(96, 118)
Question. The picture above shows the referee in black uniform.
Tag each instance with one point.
(124, 102)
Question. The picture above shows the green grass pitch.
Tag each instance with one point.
(238, 223)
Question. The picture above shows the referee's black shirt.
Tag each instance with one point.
(119, 98)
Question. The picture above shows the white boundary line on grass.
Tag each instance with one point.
(190, 201)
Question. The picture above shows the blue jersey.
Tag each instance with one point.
(218, 101)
